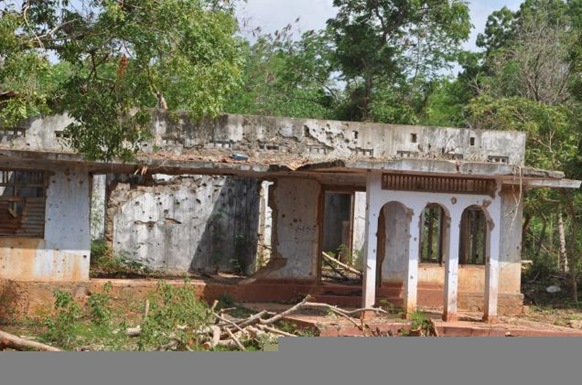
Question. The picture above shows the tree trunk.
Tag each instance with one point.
(524, 231)
(563, 255)
(11, 341)
(573, 245)
(541, 239)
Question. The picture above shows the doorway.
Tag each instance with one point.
(340, 255)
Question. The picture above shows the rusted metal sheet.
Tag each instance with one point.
(22, 203)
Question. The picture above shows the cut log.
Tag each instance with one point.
(133, 332)
(11, 341)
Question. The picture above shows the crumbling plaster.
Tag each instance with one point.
(339, 139)
(185, 223)
(307, 138)
(294, 205)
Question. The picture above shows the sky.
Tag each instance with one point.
(271, 15)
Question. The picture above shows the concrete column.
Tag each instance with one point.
(98, 204)
(451, 253)
(411, 280)
(371, 242)
(492, 265)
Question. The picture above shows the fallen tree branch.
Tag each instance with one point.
(255, 318)
(336, 270)
(275, 331)
(285, 313)
(11, 341)
(347, 267)
(236, 340)
(336, 310)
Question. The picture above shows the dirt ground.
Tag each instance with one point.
(549, 320)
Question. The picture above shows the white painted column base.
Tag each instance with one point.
(452, 268)
(371, 242)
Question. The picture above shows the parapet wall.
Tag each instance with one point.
(308, 138)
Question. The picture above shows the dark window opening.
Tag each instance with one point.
(473, 242)
(337, 233)
(432, 234)
(413, 138)
(22, 203)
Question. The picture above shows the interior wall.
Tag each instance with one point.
(295, 205)
(64, 252)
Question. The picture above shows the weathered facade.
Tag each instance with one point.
(434, 214)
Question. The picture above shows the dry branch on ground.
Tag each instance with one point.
(11, 341)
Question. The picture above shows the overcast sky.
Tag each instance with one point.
(271, 15)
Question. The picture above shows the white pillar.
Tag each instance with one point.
(492, 266)
(452, 267)
(98, 206)
(411, 280)
(370, 247)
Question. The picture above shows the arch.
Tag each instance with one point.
(392, 243)
(434, 233)
(475, 236)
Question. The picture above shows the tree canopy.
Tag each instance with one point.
(107, 63)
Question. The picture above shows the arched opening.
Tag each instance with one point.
(433, 234)
(474, 237)
(393, 245)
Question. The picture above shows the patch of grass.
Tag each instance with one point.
(71, 326)
(419, 325)
(175, 314)
(390, 308)
(234, 309)
(106, 264)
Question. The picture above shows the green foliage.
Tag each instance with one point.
(115, 61)
(419, 320)
(104, 263)
(283, 77)
(390, 307)
(420, 325)
(399, 43)
(551, 141)
(99, 305)
(94, 326)
(62, 327)
(175, 314)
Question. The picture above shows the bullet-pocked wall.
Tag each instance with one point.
(60, 251)
(185, 223)
(294, 203)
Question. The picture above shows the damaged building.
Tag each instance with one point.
(431, 216)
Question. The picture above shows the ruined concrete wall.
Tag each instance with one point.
(316, 139)
(295, 227)
(339, 139)
(63, 253)
(185, 223)
(396, 242)
(511, 236)
(37, 134)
